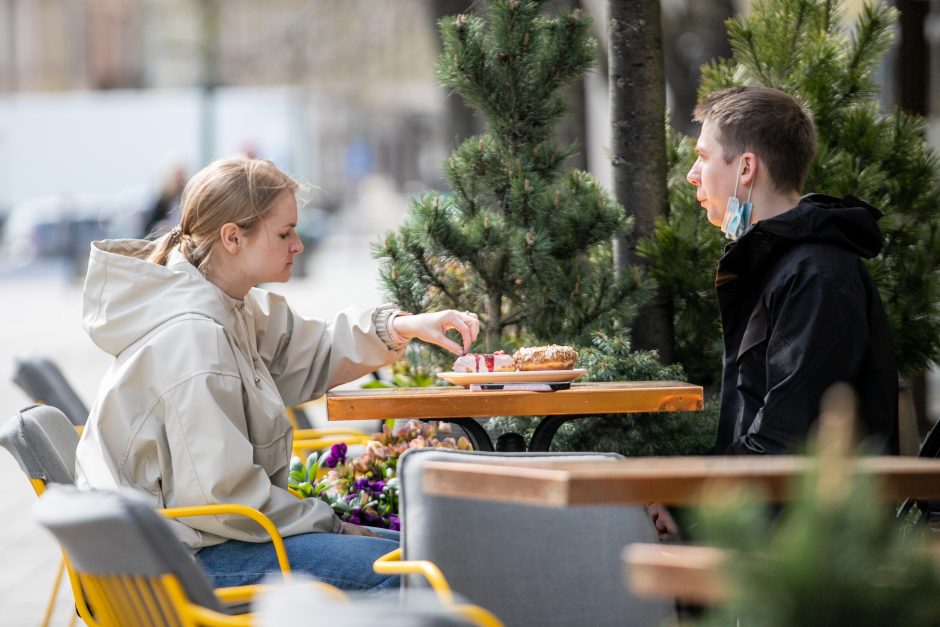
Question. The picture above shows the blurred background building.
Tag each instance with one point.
(102, 100)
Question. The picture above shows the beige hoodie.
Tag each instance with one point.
(192, 409)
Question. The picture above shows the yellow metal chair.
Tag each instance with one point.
(131, 566)
(392, 564)
(135, 572)
(43, 442)
(308, 439)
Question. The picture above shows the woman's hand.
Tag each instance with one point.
(431, 327)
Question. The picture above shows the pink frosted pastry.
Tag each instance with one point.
(489, 362)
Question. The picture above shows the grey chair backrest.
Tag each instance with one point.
(528, 565)
(43, 382)
(43, 442)
(117, 532)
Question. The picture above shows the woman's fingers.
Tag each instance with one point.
(433, 327)
(462, 326)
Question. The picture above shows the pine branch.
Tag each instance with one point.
(797, 30)
(430, 274)
(872, 38)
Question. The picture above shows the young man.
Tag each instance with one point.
(799, 310)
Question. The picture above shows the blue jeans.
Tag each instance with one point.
(341, 560)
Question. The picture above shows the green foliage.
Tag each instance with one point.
(804, 48)
(610, 359)
(835, 556)
(518, 240)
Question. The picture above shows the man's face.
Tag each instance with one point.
(712, 176)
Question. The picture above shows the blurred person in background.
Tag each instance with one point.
(192, 410)
(164, 211)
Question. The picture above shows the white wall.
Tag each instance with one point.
(108, 142)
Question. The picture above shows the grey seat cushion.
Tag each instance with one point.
(528, 565)
(117, 532)
(43, 442)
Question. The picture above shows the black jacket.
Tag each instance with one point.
(800, 312)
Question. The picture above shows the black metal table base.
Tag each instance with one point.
(544, 432)
(541, 439)
(477, 435)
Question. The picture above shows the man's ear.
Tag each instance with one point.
(750, 163)
(230, 237)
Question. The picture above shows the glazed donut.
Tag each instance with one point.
(552, 357)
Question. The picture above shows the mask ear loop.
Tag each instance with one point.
(747, 206)
(733, 210)
(749, 191)
(737, 179)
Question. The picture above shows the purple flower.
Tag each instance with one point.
(337, 455)
(394, 523)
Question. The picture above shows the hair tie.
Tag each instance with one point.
(176, 234)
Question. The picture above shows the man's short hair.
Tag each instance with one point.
(768, 122)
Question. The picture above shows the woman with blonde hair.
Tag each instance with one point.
(192, 410)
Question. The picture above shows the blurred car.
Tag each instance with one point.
(63, 226)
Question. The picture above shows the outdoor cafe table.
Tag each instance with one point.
(461, 405)
(669, 480)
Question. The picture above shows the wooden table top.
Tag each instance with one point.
(694, 574)
(621, 397)
(670, 480)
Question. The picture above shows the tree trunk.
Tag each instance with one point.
(913, 89)
(693, 34)
(637, 111)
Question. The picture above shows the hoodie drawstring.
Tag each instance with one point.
(246, 330)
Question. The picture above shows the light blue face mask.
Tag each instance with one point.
(737, 216)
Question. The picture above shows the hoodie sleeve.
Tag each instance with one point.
(213, 461)
(816, 333)
(306, 357)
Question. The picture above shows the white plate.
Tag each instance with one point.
(519, 376)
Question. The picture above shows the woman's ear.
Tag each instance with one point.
(230, 237)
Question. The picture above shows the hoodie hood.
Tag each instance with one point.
(848, 223)
(126, 296)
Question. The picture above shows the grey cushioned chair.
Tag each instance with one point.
(44, 383)
(137, 572)
(43, 442)
(123, 552)
(528, 565)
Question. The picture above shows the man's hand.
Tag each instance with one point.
(666, 527)
(350, 529)
(431, 327)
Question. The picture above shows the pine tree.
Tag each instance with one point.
(517, 238)
(803, 47)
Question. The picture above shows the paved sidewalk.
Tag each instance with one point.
(42, 315)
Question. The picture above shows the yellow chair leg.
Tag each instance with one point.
(54, 594)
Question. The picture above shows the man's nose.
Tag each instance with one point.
(693, 176)
(298, 246)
